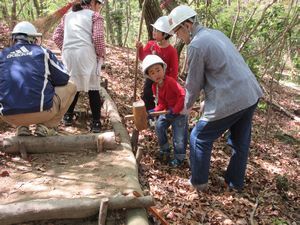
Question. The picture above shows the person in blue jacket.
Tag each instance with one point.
(35, 87)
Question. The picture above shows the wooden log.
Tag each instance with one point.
(133, 216)
(103, 211)
(65, 208)
(60, 143)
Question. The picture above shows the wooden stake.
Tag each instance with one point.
(137, 51)
(134, 140)
(103, 211)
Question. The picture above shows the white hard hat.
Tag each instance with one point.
(179, 15)
(150, 60)
(162, 24)
(26, 28)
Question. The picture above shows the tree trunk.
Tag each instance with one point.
(152, 13)
(4, 10)
(37, 7)
(13, 16)
(110, 29)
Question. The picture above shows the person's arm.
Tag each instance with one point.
(58, 74)
(180, 94)
(161, 105)
(58, 35)
(196, 77)
(98, 35)
(144, 51)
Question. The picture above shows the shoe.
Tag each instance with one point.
(199, 187)
(43, 131)
(175, 163)
(23, 131)
(164, 156)
(68, 119)
(96, 127)
(229, 188)
(152, 123)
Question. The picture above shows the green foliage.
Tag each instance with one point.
(261, 37)
(279, 221)
(262, 106)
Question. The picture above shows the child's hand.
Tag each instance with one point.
(149, 114)
(138, 44)
(170, 111)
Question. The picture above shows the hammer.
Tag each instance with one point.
(140, 115)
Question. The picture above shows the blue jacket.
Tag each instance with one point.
(28, 75)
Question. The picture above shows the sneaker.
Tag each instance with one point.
(152, 123)
(229, 188)
(43, 131)
(68, 119)
(199, 187)
(164, 156)
(175, 163)
(23, 131)
(96, 127)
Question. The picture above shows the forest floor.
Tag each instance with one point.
(272, 191)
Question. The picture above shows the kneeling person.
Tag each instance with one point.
(34, 84)
(170, 96)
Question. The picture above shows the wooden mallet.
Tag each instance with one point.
(140, 115)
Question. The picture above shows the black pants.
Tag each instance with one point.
(147, 96)
(95, 104)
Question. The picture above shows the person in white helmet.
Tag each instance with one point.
(231, 95)
(80, 35)
(34, 84)
(170, 96)
(159, 46)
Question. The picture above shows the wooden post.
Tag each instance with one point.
(103, 211)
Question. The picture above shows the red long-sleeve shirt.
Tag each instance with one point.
(170, 95)
(168, 55)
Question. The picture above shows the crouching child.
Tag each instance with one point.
(169, 96)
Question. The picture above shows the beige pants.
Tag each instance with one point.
(62, 99)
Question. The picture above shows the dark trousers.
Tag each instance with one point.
(95, 104)
(147, 96)
(201, 142)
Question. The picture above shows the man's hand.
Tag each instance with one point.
(186, 111)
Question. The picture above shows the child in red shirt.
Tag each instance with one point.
(170, 97)
(159, 46)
